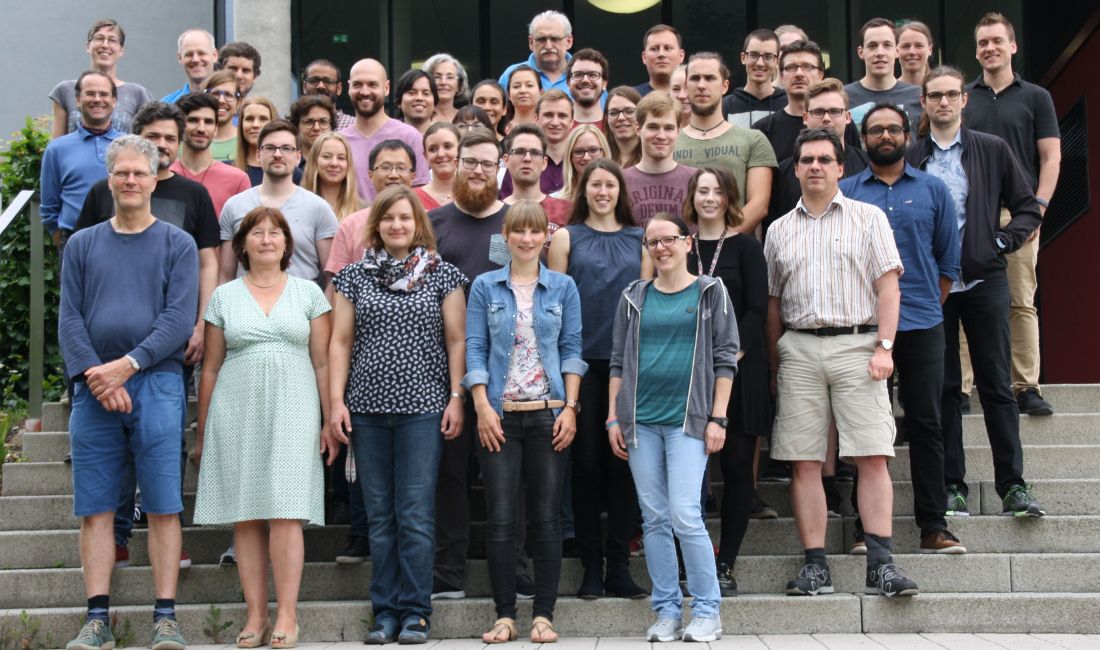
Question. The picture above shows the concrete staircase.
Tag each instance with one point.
(1020, 575)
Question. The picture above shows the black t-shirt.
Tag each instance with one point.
(782, 130)
(471, 244)
(785, 188)
(179, 201)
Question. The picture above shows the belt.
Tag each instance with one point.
(536, 405)
(841, 331)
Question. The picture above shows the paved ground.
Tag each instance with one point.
(783, 642)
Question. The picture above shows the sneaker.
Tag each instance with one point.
(727, 584)
(525, 587)
(68, 459)
(703, 629)
(761, 510)
(95, 635)
(811, 581)
(665, 630)
(956, 502)
(383, 631)
(185, 560)
(1019, 502)
(1031, 403)
(356, 551)
(637, 546)
(414, 631)
(778, 471)
(859, 545)
(445, 591)
(166, 635)
(229, 556)
(122, 556)
(942, 542)
(889, 580)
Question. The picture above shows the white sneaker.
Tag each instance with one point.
(664, 630)
(703, 629)
(229, 557)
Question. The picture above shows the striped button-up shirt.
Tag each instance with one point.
(823, 269)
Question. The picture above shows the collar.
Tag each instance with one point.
(957, 140)
(867, 175)
(980, 81)
(504, 275)
(534, 63)
(837, 200)
(111, 134)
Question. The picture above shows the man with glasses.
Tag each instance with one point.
(313, 116)
(222, 86)
(554, 112)
(588, 78)
(322, 77)
(833, 301)
(879, 50)
(368, 87)
(662, 53)
(525, 158)
(922, 216)
(801, 66)
(549, 37)
(200, 114)
(657, 183)
(312, 222)
(196, 53)
(759, 98)
(243, 61)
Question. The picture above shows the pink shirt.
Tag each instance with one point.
(361, 148)
(221, 180)
(348, 246)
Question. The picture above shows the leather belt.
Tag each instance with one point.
(536, 405)
(841, 331)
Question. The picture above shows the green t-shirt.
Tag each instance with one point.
(666, 347)
(738, 150)
(224, 150)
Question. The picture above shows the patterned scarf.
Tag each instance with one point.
(405, 275)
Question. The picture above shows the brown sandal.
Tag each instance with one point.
(505, 626)
(542, 630)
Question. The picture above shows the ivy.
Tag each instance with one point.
(19, 170)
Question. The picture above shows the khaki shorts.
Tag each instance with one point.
(823, 379)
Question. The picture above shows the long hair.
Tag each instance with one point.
(243, 148)
(924, 126)
(633, 96)
(347, 201)
(732, 215)
(570, 177)
(624, 213)
(423, 236)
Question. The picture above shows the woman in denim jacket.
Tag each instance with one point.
(524, 368)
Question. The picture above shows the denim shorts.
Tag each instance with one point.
(102, 443)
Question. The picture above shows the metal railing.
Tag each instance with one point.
(27, 202)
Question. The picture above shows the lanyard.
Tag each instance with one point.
(714, 260)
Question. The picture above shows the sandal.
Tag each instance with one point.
(248, 639)
(542, 630)
(503, 626)
(285, 639)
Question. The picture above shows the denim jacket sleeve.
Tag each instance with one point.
(569, 340)
(477, 336)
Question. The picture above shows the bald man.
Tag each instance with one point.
(368, 87)
(196, 52)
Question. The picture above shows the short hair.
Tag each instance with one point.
(675, 220)
(347, 200)
(872, 24)
(797, 47)
(884, 107)
(436, 59)
(137, 144)
(732, 216)
(436, 127)
(558, 16)
(471, 112)
(405, 83)
(827, 85)
(655, 104)
(255, 217)
(192, 102)
(593, 56)
(208, 35)
(107, 23)
(243, 50)
(657, 29)
(995, 18)
(96, 73)
(762, 34)
(304, 104)
(723, 69)
(553, 95)
(478, 136)
(392, 144)
(324, 62)
(791, 29)
(154, 112)
(525, 214)
(423, 236)
(915, 26)
(501, 127)
(816, 135)
(525, 128)
(624, 213)
(218, 78)
(274, 126)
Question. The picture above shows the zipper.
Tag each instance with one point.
(637, 356)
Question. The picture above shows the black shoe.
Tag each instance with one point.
(357, 550)
(778, 471)
(811, 581)
(1020, 502)
(761, 510)
(592, 583)
(965, 404)
(619, 583)
(1031, 403)
(727, 584)
(570, 547)
(446, 591)
(889, 580)
(525, 587)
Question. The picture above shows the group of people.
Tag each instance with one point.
(589, 289)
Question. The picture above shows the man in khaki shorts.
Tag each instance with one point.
(833, 302)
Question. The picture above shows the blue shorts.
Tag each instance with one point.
(103, 441)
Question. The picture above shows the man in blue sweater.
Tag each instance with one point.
(128, 300)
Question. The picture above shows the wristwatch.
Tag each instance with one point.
(575, 405)
(722, 422)
(885, 344)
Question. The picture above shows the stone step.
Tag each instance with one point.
(1040, 461)
(56, 477)
(1065, 398)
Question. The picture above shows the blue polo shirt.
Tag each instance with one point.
(171, 97)
(922, 216)
(561, 84)
(70, 166)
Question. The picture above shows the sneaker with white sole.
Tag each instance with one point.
(703, 629)
(665, 630)
(811, 581)
(229, 557)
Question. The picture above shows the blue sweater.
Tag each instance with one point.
(128, 294)
(71, 164)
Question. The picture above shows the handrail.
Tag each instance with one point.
(15, 208)
(36, 340)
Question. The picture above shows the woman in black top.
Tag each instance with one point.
(737, 260)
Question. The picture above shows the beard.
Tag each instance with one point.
(470, 200)
(704, 111)
(880, 157)
(376, 106)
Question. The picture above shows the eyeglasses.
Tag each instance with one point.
(487, 166)
(223, 94)
(544, 39)
(819, 113)
(463, 126)
(322, 122)
(615, 113)
(753, 57)
(666, 241)
(125, 176)
(387, 168)
(270, 149)
(792, 68)
(591, 75)
(520, 152)
(591, 152)
(449, 76)
(100, 39)
(936, 97)
(321, 81)
(894, 130)
(821, 160)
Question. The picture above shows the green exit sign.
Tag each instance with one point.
(339, 38)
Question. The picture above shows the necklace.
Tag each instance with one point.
(714, 260)
(248, 277)
(705, 131)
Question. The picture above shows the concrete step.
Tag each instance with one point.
(1040, 461)
(55, 415)
(56, 477)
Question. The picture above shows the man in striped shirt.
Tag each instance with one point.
(833, 273)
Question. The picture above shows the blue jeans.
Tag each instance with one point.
(397, 463)
(668, 469)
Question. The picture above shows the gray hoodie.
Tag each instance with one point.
(716, 346)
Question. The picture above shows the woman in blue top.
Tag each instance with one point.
(524, 368)
(672, 366)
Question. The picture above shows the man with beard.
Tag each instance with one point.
(662, 53)
(200, 114)
(919, 208)
(759, 98)
(322, 77)
(368, 87)
(879, 50)
(196, 53)
(186, 205)
(588, 77)
(312, 222)
(708, 139)
(525, 158)
(800, 67)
